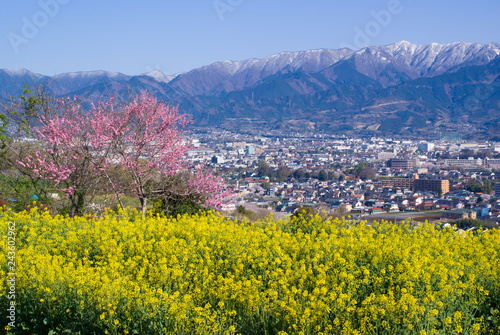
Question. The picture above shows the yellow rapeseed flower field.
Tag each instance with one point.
(204, 274)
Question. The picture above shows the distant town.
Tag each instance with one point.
(367, 178)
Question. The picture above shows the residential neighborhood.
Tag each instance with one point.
(360, 177)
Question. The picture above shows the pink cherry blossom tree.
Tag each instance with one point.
(71, 151)
(148, 143)
(150, 146)
(143, 139)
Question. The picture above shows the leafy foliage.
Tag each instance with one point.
(484, 187)
(474, 223)
(177, 205)
(363, 171)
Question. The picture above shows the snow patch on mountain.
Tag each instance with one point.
(160, 76)
(425, 60)
(388, 65)
(21, 72)
(92, 75)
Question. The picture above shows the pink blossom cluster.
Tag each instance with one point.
(211, 188)
(144, 137)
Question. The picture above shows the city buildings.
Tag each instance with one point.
(403, 164)
(320, 171)
(425, 147)
(458, 214)
(440, 186)
(464, 162)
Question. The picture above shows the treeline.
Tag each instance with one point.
(474, 223)
(483, 186)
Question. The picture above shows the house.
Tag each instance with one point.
(457, 214)
(482, 211)
(228, 207)
(271, 192)
(375, 210)
(403, 202)
(359, 197)
(345, 208)
(357, 204)
(427, 205)
(393, 207)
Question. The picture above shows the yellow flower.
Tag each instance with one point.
(372, 279)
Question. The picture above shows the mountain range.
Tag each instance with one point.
(400, 89)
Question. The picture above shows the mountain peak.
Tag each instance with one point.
(160, 76)
(155, 72)
(403, 43)
(378, 87)
(19, 72)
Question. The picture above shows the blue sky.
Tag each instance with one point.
(134, 37)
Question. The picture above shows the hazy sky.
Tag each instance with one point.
(134, 37)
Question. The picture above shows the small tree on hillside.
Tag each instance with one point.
(148, 143)
(22, 115)
(189, 192)
(72, 151)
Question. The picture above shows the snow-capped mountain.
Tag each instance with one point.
(20, 73)
(160, 76)
(422, 60)
(74, 81)
(438, 83)
(388, 65)
(230, 76)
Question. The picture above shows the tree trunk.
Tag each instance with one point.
(119, 200)
(143, 206)
(74, 207)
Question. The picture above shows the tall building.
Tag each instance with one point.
(491, 162)
(497, 190)
(432, 185)
(403, 164)
(464, 162)
(396, 182)
(217, 159)
(425, 147)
